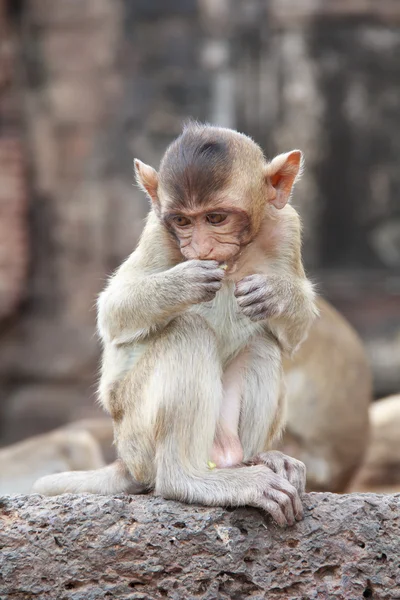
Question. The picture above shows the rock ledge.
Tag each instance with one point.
(141, 547)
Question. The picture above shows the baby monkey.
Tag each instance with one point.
(194, 326)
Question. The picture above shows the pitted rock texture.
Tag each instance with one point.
(141, 547)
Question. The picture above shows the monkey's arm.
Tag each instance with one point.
(286, 302)
(296, 309)
(151, 287)
(280, 293)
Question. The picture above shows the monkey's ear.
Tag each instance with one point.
(282, 173)
(147, 179)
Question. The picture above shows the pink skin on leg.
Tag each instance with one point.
(227, 450)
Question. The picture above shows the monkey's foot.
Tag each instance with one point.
(287, 467)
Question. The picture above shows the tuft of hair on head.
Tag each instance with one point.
(196, 165)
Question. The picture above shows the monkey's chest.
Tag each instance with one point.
(232, 329)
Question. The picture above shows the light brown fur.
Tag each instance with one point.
(380, 472)
(171, 325)
(329, 388)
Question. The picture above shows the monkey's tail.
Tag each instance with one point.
(112, 479)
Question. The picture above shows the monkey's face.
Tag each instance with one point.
(214, 233)
(214, 188)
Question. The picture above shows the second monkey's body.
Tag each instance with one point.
(192, 364)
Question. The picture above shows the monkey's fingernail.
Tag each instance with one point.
(211, 465)
(223, 266)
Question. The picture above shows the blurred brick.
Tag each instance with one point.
(74, 100)
(70, 12)
(74, 145)
(44, 149)
(13, 226)
(78, 50)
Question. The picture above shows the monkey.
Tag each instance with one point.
(329, 392)
(327, 426)
(380, 471)
(194, 325)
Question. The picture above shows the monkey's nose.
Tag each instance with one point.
(205, 254)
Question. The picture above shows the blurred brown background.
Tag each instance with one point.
(87, 85)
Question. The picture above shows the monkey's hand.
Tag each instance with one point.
(287, 467)
(199, 280)
(278, 497)
(262, 297)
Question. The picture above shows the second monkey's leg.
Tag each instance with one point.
(180, 397)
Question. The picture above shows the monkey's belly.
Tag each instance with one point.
(232, 329)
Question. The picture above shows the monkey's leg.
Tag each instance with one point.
(263, 412)
(180, 406)
(113, 479)
(227, 449)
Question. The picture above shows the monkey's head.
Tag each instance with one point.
(214, 188)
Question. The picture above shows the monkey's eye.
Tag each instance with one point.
(181, 221)
(216, 218)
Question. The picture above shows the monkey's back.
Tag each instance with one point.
(329, 391)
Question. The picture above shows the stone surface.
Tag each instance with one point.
(87, 548)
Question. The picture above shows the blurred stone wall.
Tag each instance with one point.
(13, 189)
(93, 84)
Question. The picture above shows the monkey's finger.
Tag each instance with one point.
(209, 264)
(251, 298)
(293, 476)
(275, 463)
(213, 286)
(261, 310)
(291, 469)
(255, 311)
(249, 284)
(284, 503)
(216, 274)
(272, 508)
(240, 290)
(288, 470)
(203, 264)
(207, 275)
(284, 486)
(296, 475)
